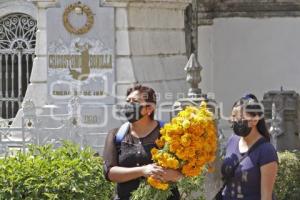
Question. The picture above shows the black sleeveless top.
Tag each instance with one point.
(131, 152)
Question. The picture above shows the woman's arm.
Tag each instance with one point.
(268, 176)
(124, 174)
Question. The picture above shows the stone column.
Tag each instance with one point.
(150, 45)
(37, 90)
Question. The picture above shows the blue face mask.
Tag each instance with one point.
(241, 128)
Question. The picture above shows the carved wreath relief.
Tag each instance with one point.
(84, 9)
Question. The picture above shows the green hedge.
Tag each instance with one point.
(70, 173)
(287, 186)
(44, 173)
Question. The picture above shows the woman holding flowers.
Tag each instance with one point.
(129, 161)
(251, 162)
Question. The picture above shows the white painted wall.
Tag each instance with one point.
(242, 55)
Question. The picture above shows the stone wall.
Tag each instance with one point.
(242, 55)
(212, 9)
(150, 47)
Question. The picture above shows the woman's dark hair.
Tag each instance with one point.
(148, 94)
(254, 108)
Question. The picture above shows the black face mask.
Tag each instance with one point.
(241, 128)
(132, 111)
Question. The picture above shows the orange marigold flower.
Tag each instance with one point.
(160, 142)
(154, 151)
(188, 142)
(157, 184)
(185, 140)
(173, 163)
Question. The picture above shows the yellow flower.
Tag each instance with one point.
(154, 151)
(160, 143)
(173, 163)
(157, 184)
(188, 143)
(191, 170)
(186, 124)
(185, 140)
(174, 146)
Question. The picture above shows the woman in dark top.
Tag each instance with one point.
(254, 176)
(128, 161)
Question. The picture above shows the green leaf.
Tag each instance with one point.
(46, 173)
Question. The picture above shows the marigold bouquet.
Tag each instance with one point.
(188, 143)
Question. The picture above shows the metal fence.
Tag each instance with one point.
(43, 129)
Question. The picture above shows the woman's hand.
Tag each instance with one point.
(153, 170)
(163, 174)
(171, 175)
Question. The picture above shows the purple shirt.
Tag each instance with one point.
(246, 181)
